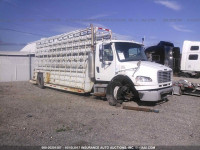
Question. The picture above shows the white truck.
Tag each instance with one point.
(190, 59)
(89, 61)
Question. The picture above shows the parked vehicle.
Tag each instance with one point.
(190, 59)
(88, 60)
(166, 54)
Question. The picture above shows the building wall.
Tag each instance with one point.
(15, 68)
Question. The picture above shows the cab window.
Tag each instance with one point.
(107, 53)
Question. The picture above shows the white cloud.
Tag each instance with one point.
(180, 28)
(169, 4)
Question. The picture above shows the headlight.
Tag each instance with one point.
(143, 79)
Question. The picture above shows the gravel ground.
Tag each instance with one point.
(33, 116)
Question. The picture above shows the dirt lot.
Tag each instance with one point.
(33, 116)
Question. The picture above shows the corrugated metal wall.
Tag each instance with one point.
(15, 68)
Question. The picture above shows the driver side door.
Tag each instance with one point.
(105, 62)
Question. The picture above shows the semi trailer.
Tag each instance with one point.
(90, 61)
(190, 59)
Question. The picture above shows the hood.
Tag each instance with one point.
(146, 68)
(144, 65)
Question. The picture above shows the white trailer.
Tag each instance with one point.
(89, 61)
(190, 59)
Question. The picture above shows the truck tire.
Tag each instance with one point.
(112, 93)
(40, 80)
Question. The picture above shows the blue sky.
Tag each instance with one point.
(24, 21)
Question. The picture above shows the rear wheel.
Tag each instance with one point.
(40, 80)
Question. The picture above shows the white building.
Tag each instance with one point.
(16, 66)
(30, 47)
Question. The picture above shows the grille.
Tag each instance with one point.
(164, 76)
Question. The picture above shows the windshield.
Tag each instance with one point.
(129, 51)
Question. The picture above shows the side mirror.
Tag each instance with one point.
(139, 62)
(101, 53)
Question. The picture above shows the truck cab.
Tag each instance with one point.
(123, 67)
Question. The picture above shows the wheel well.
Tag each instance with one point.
(124, 80)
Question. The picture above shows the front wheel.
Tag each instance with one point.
(113, 93)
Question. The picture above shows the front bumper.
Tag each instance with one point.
(155, 95)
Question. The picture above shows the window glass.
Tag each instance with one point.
(100, 52)
(193, 57)
(108, 54)
(194, 48)
(129, 51)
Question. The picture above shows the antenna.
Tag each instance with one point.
(143, 40)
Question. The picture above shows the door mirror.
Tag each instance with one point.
(105, 53)
(101, 53)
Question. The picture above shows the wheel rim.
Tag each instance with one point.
(115, 92)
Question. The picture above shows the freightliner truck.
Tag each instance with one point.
(89, 61)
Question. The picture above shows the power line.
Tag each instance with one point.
(7, 29)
